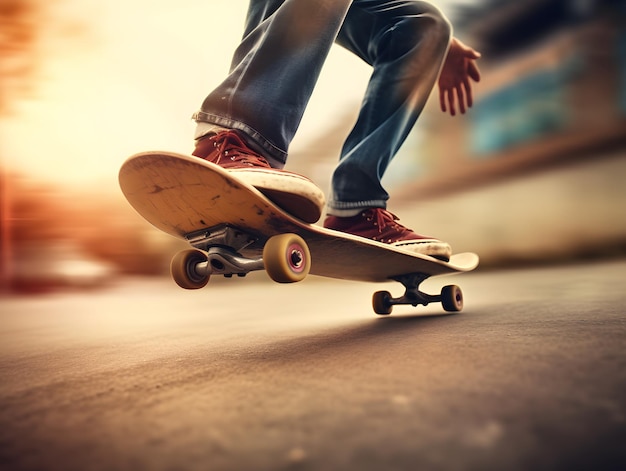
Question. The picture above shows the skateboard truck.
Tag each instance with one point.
(285, 257)
(451, 296)
(223, 235)
(216, 253)
(223, 261)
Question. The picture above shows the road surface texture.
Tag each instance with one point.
(252, 375)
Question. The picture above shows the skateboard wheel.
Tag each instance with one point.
(452, 298)
(381, 301)
(183, 269)
(287, 258)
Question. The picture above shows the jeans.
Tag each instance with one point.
(278, 61)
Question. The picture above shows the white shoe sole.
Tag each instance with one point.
(294, 193)
(431, 247)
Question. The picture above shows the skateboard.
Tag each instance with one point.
(233, 229)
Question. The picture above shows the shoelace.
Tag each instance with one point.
(385, 219)
(229, 145)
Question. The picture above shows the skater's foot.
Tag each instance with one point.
(294, 193)
(380, 225)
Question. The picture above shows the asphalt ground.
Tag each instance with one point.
(252, 375)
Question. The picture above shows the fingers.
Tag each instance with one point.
(442, 99)
(460, 96)
(447, 100)
(469, 97)
(473, 71)
(451, 107)
(455, 81)
(456, 100)
(457, 97)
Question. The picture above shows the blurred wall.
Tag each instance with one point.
(550, 215)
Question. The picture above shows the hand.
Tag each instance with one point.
(454, 81)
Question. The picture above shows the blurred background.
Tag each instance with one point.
(532, 174)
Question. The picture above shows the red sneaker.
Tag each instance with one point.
(294, 193)
(380, 225)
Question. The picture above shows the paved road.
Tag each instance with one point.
(252, 375)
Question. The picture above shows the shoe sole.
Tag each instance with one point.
(294, 193)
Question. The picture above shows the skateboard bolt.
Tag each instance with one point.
(296, 258)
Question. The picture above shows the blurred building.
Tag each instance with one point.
(534, 170)
(553, 90)
(63, 265)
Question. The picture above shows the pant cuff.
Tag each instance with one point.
(349, 209)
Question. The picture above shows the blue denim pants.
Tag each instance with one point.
(278, 61)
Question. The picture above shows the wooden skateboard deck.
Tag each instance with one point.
(202, 203)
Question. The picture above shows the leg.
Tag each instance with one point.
(406, 43)
(274, 71)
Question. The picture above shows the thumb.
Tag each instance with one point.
(468, 51)
(471, 53)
